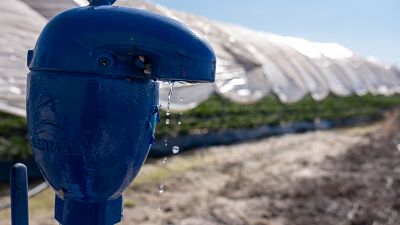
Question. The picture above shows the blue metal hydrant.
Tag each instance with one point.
(92, 102)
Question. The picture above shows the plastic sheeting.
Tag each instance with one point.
(20, 26)
(49, 9)
(250, 65)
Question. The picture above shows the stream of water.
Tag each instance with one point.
(174, 149)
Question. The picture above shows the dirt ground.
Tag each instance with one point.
(340, 177)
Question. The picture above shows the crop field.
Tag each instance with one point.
(219, 114)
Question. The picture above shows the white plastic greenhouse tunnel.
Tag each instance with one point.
(251, 64)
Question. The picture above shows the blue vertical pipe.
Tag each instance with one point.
(19, 195)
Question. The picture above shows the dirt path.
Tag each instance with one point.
(263, 182)
(340, 177)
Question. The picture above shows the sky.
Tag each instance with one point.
(368, 27)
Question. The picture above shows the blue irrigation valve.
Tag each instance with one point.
(92, 101)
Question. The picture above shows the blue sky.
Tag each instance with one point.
(368, 27)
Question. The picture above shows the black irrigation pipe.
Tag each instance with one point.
(31, 193)
(188, 142)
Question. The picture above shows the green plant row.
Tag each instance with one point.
(219, 114)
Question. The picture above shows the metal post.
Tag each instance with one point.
(19, 195)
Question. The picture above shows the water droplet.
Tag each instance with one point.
(181, 114)
(171, 90)
(166, 142)
(167, 121)
(161, 189)
(181, 99)
(159, 208)
(164, 160)
(168, 113)
(179, 122)
(175, 149)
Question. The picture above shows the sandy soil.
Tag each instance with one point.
(339, 177)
